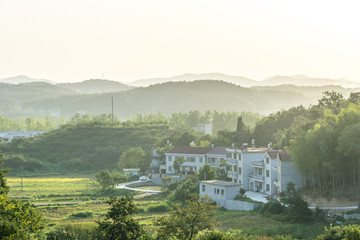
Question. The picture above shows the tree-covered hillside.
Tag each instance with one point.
(174, 97)
(83, 147)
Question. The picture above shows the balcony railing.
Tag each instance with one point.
(257, 177)
(231, 174)
(214, 164)
(232, 161)
(258, 164)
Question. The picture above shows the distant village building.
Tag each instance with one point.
(204, 128)
(10, 135)
(131, 171)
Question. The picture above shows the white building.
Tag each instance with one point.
(286, 172)
(263, 170)
(195, 158)
(218, 190)
(246, 168)
(204, 128)
(10, 135)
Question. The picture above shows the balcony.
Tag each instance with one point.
(214, 164)
(259, 164)
(257, 177)
(231, 174)
(232, 161)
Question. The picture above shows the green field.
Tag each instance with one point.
(79, 200)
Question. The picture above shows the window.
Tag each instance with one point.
(239, 170)
(267, 187)
(170, 168)
(267, 173)
(235, 169)
(222, 191)
(169, 158)
(190, 159)
(217, 191)
(267, 160)
(214, 190)
(200, 159)
(260, 171)
(203, 188)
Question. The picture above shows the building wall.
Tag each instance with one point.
(287, 172)
(239, 205)
(170, 158)
(246, 159)
(211, 190)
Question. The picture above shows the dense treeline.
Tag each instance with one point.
(82, 147)
(323, 139)
(45, 123)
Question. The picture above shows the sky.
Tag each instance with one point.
(75, 40)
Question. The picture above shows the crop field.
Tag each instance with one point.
(81, 201)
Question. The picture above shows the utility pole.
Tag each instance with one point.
(112, 111)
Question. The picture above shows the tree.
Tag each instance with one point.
(177, 163)
(118, 223)
(297, 208)
(15, 162)
(206, 172)
(184, 222)
(18, 220)
(104, 178)
(4, 188)
(134, 158)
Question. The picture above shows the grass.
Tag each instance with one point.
(59, 198)
(156, 188)
(79, 201)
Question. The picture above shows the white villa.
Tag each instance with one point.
(195, 158)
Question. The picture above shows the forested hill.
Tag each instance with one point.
(174, 97)
(38, 99)
(96, 86)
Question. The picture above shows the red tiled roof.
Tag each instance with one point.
(190, 150)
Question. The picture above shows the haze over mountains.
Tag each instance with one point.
(39, 97)
(111, 86)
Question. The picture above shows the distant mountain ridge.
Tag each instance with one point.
(94, 85)
(39, 99)
(297, 80)
(23, 79)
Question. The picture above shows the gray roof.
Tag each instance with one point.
(218, 151)
(190, 150)
(221, 183)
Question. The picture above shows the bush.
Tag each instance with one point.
(213, 235)
(86, 214)
(184, 189)
(159, 207)
(351, 232)
(79, 231)
(273, 207)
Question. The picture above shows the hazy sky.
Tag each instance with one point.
(74, 40)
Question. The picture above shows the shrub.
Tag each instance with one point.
(159, 207)
(273, 207)
(86, 214)
(341, 232)
(79, 231)
(213, 235)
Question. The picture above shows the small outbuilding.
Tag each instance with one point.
(219, 190)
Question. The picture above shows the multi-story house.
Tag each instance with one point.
(246, 168)
(195, 158)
